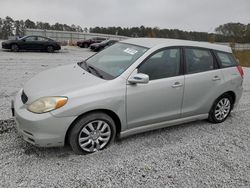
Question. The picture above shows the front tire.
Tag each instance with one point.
(50, 49)
(14, 48)
(221, 109)
(91, 133)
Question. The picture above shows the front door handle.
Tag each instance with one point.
(215, 78)
(176, 85)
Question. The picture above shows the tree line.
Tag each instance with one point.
(11, 27)
(230, 32)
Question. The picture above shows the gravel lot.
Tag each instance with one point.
(197, 154)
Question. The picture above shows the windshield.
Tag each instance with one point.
(105, 41)
(116, 59)
(23, 38)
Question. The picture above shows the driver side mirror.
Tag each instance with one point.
(139, 78)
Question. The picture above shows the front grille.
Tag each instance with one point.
(24, 97)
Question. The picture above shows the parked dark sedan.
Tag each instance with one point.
(88, 42)
(34, 43)
(99, 46)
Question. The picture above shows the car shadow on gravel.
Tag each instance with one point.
(174, 134)
(168, 130)
(171, 135)
(53, 152)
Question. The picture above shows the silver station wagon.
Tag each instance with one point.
(136, 85)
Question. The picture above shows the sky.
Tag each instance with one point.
(189, 15)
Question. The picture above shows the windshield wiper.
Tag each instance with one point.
(85, 64)
(89, 68)
(96, 71)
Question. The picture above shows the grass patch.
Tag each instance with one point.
(243, 56)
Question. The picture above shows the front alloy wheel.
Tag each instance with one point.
(14, 48)
(91, 133)
(50, 49)
(94, 136)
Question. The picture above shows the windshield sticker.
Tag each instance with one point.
(130, 51)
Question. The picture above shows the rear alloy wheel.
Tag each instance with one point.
(221, 109)
(14, 48)
(92, 133)
(50, 49)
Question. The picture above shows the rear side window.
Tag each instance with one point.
(198, 60)
(226, 59)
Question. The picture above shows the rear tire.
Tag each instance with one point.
(221, 109)
(91, 133)
(14, 48)
(50, 49)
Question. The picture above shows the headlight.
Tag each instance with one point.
(47, 104)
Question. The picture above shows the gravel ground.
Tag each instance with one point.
(197, 154)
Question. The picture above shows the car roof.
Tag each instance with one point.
(36, 36)
(161, 42)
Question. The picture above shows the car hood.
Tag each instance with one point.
(9, 41)
(59, 82)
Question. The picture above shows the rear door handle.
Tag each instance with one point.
(215, 78)
(177, 84)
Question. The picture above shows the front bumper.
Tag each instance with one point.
(5, 45)
(42, 130)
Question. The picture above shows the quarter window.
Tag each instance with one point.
(163, 64)
(198, 60)
(226, 59)
(43, 39)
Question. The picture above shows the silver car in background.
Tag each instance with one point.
(136, 85)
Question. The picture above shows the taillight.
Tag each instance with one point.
(240, 69)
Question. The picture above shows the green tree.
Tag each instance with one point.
(22, 28)
(1, 27)
(17, 28)
(43, 25)
(236, 31)
(30, 24)
(58, 27)
(247, 33)
(7, 28)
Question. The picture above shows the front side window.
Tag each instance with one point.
(163, 64)
(198, 60)
(226, 59)
(32, 38)
(116, 59)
